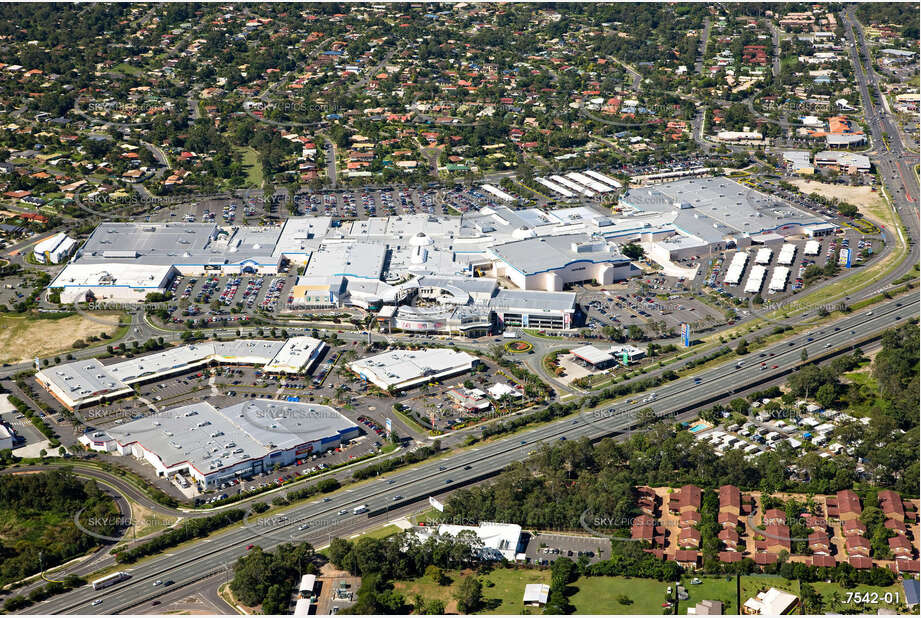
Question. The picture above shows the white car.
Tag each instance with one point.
(97, 602)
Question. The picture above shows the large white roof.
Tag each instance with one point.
(211, 439)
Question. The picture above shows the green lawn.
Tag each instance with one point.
(505, 596)
(753, 584)
(597, 595)
(503, 589)
(713, 589)
(127, 69)
(252, 166)
(828, 590)
(379, 533)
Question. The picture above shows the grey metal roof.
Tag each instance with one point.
(722, 201)
(211, 439)
(178, 243)
(543, 253)
(530, 300)
(81, 379)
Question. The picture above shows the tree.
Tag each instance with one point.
(633, 251)
(636, 333)
(435, 607)
(276, 600)
(826, 395)
(496, 352)
(470, 595)
(436, 575)
(739, 405)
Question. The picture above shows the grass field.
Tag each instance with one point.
(252, 166)
(870, 203)
(713, 589)
(127, 69)
(24, 338)
(503, 589)
(378, 533)
(753, 584)
(843, 605)
(598, 595)
(145, 521)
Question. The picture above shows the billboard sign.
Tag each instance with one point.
(686, 335)
(844, 258)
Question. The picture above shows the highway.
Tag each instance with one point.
(334, 517)
(893, 161)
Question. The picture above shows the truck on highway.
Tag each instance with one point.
(110, 580)
(360, 509)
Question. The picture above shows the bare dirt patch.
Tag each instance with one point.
(870, 203)
(24, 338)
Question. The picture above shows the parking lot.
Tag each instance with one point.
(369, 202)
(862, 249)
(222, 386)
(22, 428)
(236, 296)
(650, 303)
(467, 199)
(16, 289)
(545, 548)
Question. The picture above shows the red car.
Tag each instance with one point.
(249, 547)
(773, 366)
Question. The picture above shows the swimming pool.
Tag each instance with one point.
(697, 428)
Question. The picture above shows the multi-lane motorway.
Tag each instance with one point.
(334, 517)
(893, 160)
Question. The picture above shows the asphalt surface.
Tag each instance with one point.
(335, 517)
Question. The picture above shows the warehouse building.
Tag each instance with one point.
(382, 260)
(496, 541)
(403, 369)
(88, 381)
(552, 263)
(840, 160)
(213, 446)
(54, 250)
(721, 204)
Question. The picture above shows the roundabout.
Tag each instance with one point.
(518, 347)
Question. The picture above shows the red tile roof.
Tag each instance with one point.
(860, 562)
(686, 555)
(730, 496)
(689, 495)
(765, 558)
(848, 502)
